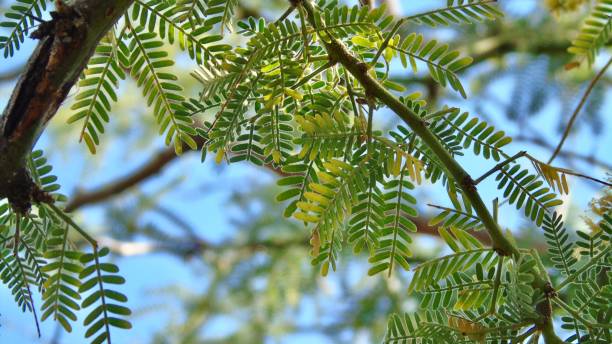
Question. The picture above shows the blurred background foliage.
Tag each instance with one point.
(208, 256)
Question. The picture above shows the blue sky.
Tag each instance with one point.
(201, 196)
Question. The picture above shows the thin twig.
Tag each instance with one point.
(569, 156)
(568, 128)
(285, 14)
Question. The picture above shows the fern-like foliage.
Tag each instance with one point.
(326, 137)
(474, 133)
(456, 218)
(107, 303)
(591, 302)
(594, 33)
(343, 21)
(148, 66)
(459, 240)
(186, 24)
(560, 248)
(300, 176)
(276, 130)
(441, 327)
(460, 291)
(520, 294)
(555, 177)
(192, 11)
(247, 147)
(459, 12)
(61, 297)
(285, 100)
(597, 242)
(524, 189)
(40, 170)
(20, 18)
(414, 328)
(98, 91)
(221, 12)
(435, 270)
(227, 125)
(442, 63)
(412, 144)
(394, 239)
(279, 98)
(18, 276)
(37, 256)
(587, 311)
(331, 198)
(326, 253)
(368, 219)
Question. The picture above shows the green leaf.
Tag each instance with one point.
(594, 33)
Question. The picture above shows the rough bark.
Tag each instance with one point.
(67, 42)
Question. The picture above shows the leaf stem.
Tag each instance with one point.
(577, 315)
(496, 285)
(102, 294)
(398, 25)
(499, 166)
(587, 266)
(72, 224)
(313, 74)
(285, 14)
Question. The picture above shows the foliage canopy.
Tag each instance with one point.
(300, 97)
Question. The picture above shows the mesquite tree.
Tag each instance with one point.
(300, 97)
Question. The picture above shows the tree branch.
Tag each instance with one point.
(66, 44)
(149, 169)
(500, 243)
(568, 155)
(104, 192)
(160, 160)
(338, 52)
